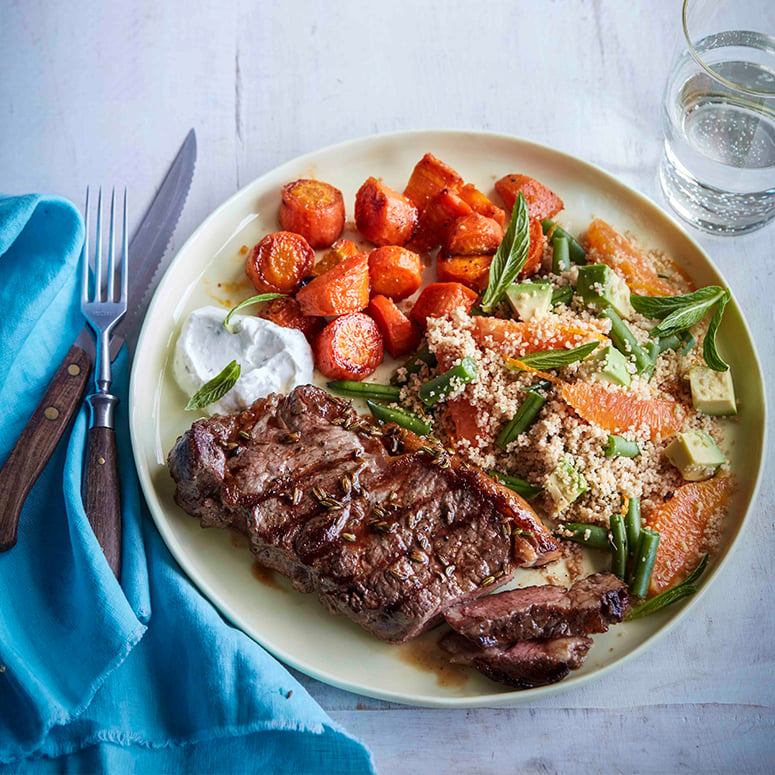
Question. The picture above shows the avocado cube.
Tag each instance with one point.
(695, 455)
(529, 300)
(565, 484)
(609, 365)
(601, 287)
(712, 391)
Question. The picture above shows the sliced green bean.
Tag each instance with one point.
(618, 446)
(423, 357)
(438, 388)
(625, 342)
(520, 486)
(400, 417)
(560, 254)
(669, 596)
(593, 536)
(619, 541)
(577, 254)
(354, 389)
(643, 562)
(632, 522)
(522, 420)
(562, 295)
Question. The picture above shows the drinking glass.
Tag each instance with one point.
(718, 115)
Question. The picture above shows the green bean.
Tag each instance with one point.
(562, 295)
(577, 254)
(423, 357)
(632, 523)
(625, 342)
(520, 486)
(643, 562)
(353, 389)
(619, 541)
(400, 417)
(561, 254)
(621, 447)
(522, 420)
(593, 536)
(434, 390)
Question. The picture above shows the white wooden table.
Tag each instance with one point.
(105, 92)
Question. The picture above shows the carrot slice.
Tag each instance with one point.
(617, 411)
(473, 235)
(429, 178)
(384, 216)
(535, 251)
(313, 209)
(286, 312)
(349, 347)
(279, 262)
(479, 203)
(437, 219)
(342, 289)
(439, 299)
(467, 421)
(340, 250)
(471, 271)
(394, 271)
(399, 335)
(542, 202)
(607, 246)
(682, 524)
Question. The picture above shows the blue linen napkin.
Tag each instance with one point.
(97, 677)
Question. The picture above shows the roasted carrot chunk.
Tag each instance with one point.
(279, 262)
(429, 178)
(535, 251)
(398, 333)
(394, 271)
(342, 289)
(313, 209)
(471, 271)
(542, 202)
(473, 235)
(384, 216)
(339, 251)
(479, 203)
(286, 312)
(437, 219)
(439, 299)
(349, 347)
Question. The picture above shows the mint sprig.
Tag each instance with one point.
(556, 359)
(252, 300)
(216, 388)
(510, 257)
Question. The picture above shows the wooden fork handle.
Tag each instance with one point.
(101, 493)
(38, 440)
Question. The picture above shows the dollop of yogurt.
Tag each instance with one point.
(272, 359)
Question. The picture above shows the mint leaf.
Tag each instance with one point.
(662, 306)
(252, 300)
(216, 388)
(510, 257)
(555, 359)
(709, 351)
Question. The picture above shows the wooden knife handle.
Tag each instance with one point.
(101, 493)
(38, 440)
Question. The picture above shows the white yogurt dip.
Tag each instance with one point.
(272, 359)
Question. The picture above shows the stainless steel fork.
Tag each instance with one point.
(103, 308)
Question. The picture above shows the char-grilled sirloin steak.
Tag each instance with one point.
(387, 528)
(588, 607)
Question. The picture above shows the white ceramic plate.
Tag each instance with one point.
(210, 267)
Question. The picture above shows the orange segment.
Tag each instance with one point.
(467, 419)
(682, 523)
(617, 411)
(515, 338)
(610, 247)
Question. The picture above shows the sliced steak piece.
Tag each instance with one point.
(523, 665)
(388, 529)
(589, 606)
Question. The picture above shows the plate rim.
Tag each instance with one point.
(500, 698)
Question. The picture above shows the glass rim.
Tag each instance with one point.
(708, 69)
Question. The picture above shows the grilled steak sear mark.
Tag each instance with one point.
(371, 500)
(588, 607)
(525, 664)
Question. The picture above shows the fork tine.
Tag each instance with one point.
(112, 250)
(125, 257)
(98, 251)
(85, 254)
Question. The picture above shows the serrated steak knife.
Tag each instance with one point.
(147, 262)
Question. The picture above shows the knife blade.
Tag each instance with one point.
(148, 261)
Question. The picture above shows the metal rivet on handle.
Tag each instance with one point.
(51, 413)
(73, 369)
(101, 461)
